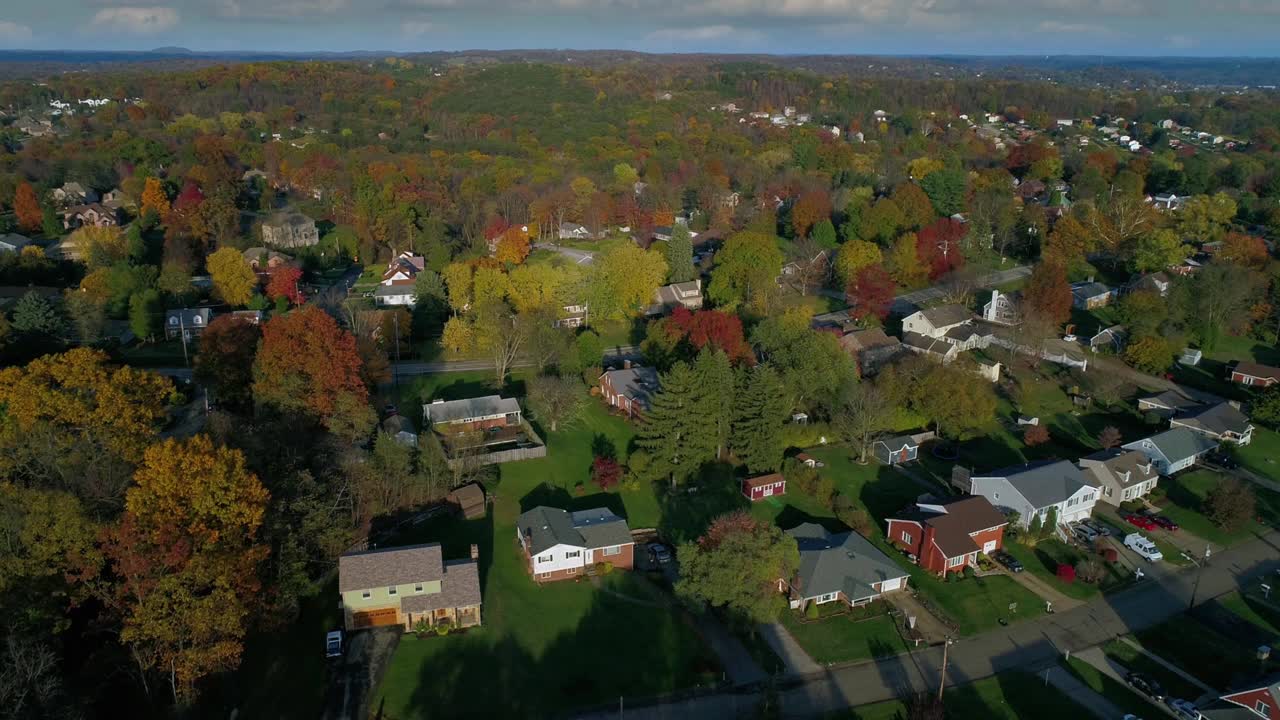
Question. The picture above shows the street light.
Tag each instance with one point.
(942, 681)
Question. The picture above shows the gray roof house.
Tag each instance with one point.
(1171, 402)
(1174, 449)
(842, 567)
(630, 389)
(669, 297)
(1121, 474)
(560, 545)
(13, 242)
(479, 411)
(1223, 422)
(1034, 488)
(1089, 295)
(938, 348)
(408, 585)
(290, 229)
(187, 323)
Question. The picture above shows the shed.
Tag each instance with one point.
(470, 500)
(1190, 357)
(758, 488)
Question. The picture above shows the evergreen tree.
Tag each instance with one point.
(717, 382)
(680, 256)
(1050, 523)
(758, 417)
(144, 313)
(36, 315)
(676, 432)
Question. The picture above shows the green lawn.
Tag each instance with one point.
(1262, 456)
(1232, 347)
(977, 604)
(1007, 696)
(861, 634)
(1252, 610)
(1133, 659)
(1110, 688)
(165, 353)
(1184, 504)
(1043, 560)
(1214, 658)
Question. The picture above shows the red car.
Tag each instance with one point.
(1140, 521)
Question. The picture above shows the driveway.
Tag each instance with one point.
(353, 678)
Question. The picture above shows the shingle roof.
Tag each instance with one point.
(461, 410)
(459, 588)
(1173, 400)
(1117, 464)
(763, 480)
(1216, 419)
(1089, 290)
(898, 442)
(637, 383)
(1043, 483)
(945, 315)
(1257, 370)
(869, 338)
(954, 519)
(845, 562)
(281, 219)
(14, 240)
(1181, 443)
(926, 343)
(545, 527)
(390, 566)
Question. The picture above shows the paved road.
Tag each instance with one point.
(1024, 645)
(582, 257)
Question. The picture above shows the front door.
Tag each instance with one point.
(768, 490)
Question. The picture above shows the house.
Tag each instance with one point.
(896, 450)
(947, 535)
(186, 323)
(253, 317)
(1089, 295)
(630, 389)
(33, 127)
(1254, 374)
(1257, 699)
(1168, 202)
(1152, 282)
(91, 215)
(1033, 489)
(871, 348)
(572, 316)
(1112, 338)
(936, 322)
(1173, 450)
(1171, 402)
(13, 242)
(263, 260)
(1120, 474)
(668, 297)
(73, 193)
(807, 271)
(115, 198)
(937, 348)
(843, 567)
(1222, 422)
(758, 488)
(559, 545)
(409, 585)
(1002, 309)
(479, 413)
(574, 231)
(470, 500)
(290, 230)
(397, 284)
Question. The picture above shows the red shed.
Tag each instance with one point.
(758, 488)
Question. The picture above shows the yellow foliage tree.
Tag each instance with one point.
(853, 256)
(99, 246)
(513, 246)
(233, 279)
(154, 197)
(458, 336)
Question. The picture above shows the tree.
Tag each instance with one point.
(917, 210)
(35, 315)
(945, 189)
(852, 257)
(154, 198)
(1151, 354)
(940, 246)
(871, 293)
(709, 328)
(1266, 407)
(1245, 250)
(26, 208)
(904, 263)
(187, 553)
(144, 313)
(1050, 523)
(824, 235)
(813, 366)
(1047, 293)
(1158, 250)
(305, 364)
(810, 209)
(1035, 435)
(513, 247)
(99, 246)
(882, 221)
(283, 283)
(623, 280)
(232, 277)
(1230, 504)
(758, 417)
(718, 383)
(746, 271)
(605, 472)
(1205, 218)
(1109, 437)
(458, 335)
(865, 411)
(1143, 312)
(948, 397)
(675, 431)
(88, 316)
(555, 400)
(1216, 300)
(736, 565)
(224, 364)
(1070, 242)
(679, 255)
(503, 335)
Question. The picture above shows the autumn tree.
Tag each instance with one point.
(903, 262)
(1109, 437)
(225, 361)
(882, 221)
(852, 257)
(917, 210)
(26, 208)
(736, 565)
(283, 283)
(709, 329)
(306, 364)
(1158, 250)
(513, 246)
(555, 400)
(232, 277)
(1047, 293)
(623, 280)
(746, 271)
(1245, 250)
(1231, 504)
(154, 198)
(940, 246)
(1035, 435)
(871, 293)
(864, 412)
(810, 209)
(1151, 354)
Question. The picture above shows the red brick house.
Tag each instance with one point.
(482, 413)
(1254, 374)
(758, 488)
(562, 545)
(947, 535)
(1258, 699)
(630, 389)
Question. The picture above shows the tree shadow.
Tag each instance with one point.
(688, 510)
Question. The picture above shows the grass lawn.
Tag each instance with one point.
(1262, 456)
(165, 353)
(1184, 504)
(1007, 696)
(1214, 658)
(976, 604)
(1231, 347)
(1043, 560)
(1133, 659)
(1110, 688)
(1253, 611)
(860, 634)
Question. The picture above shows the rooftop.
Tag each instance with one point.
(844, 562)
(945, 315)
(469, 409)
(1043, 483)
(546, 527)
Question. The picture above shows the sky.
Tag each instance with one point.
(983, 27)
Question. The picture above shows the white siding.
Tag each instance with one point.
(559, 558)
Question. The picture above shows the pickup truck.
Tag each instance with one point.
(1144, 547)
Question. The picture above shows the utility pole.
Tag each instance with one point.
(942, 680)
(395, 369)
(1199, 571)
(182, 331)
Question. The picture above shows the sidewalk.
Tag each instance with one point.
(1061, 603)
(784, 645)
(1114, 670)
(932, 629)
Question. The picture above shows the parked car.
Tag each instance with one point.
(1140, 521)
(1222, 460)
(1164, 523)
(1143, 546)
(333, 644)
(1084, 533)
(1008, 561)
(1145, 685)
(659, 554)
(1094, 525)
(1184, 709)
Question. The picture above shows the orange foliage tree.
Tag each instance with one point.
(26, 206)
(154, 197)
(307, 364)
(284, 284)
(513, 246)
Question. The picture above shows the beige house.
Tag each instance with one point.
(407, 585)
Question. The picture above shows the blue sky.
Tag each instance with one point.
(1121, 27)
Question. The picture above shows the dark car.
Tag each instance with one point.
(1010, 562)
(1222, 460)
(1164, 522)
(659, 554)
(1145, 685)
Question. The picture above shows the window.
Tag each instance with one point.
(544, 576)
(997, 496)
(417, 587)
(391, 590)
(366, 594)
(574, 554)
(1263, 709)
(906, 537)
(955, 561)
(542, 559)
(826, 598)
(612, 550)
(572, 571)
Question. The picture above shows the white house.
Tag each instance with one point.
(935, 322)
(1174, 450)
(1033, 489)
(559, 545)
(1121, 474)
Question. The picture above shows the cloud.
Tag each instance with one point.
(136, 20)
(13, 32)
(1057, 26)
(706, 33)
(417, 28)
(277, 9)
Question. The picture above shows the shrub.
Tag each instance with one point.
(802, 478)
(1152, 418)
(444, 627)
(605, 472)
(604, 568)
(969, 572)
(852, 515)
(1066, 573)
(811, 611)
(1035, 435)
(1091, 570)
(422, 627)
(580, 489)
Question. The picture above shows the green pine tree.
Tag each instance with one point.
(759, 415)
(34, 314)
(718, 383)
(677, 432)
(1050, 523)
(680, 256)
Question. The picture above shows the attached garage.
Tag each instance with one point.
(891, 584)
(375, 618)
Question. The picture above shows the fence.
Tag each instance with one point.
(473, 458)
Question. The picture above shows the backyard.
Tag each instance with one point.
(1184, 504)
(1262, 456)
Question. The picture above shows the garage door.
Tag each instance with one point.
(893, 584)
(374, 618)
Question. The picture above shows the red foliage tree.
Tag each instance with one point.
(719, 329)
(728, 525)
(26, 206)
(871, 292)
(1066, 573)
(495, 227)
(938, 246)
(306, 363)
(1035, 435)
(605, 472)
(283, 283)
(810, 209)
(1048, 295)
(189, 198)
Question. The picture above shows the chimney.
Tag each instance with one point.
(626, 364)
(475, 552)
